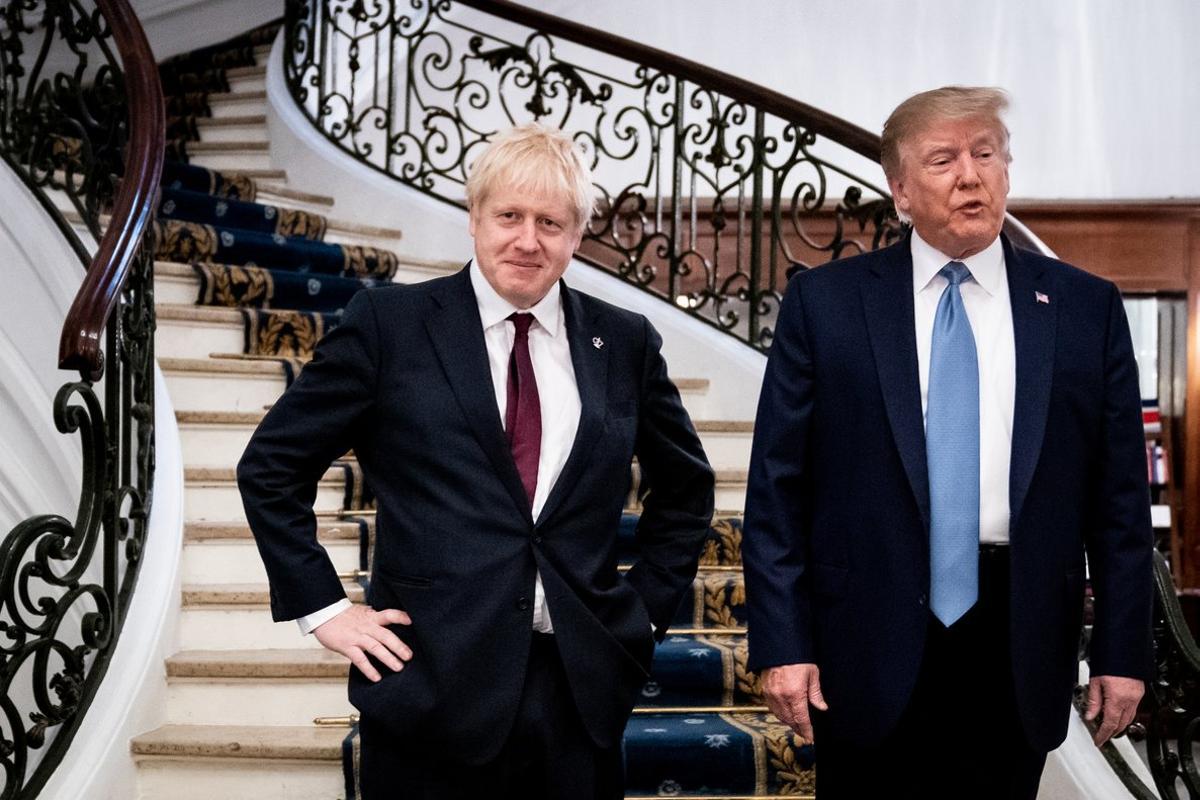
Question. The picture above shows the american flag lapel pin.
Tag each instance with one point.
(1041, 297)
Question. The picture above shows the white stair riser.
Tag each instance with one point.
(238, 628)
(219, 561)
(162, 778)
(220, 502)
(196, 339)
(251, 132)
(731, 497)
(223, 106)
(232, 160)
(176, 289)
(249, 83)
(727, 450)
(259, 701)
(213, 445)
(199, 391)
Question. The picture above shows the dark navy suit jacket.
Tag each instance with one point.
(404, 381)
(836, 542)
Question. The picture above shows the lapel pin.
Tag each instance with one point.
(1042, 298)
(597, 342)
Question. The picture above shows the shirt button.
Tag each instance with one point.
(523, 604)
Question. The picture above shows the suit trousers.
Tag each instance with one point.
(548, 754)
(960, 735)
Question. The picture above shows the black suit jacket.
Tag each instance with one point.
(836, 542)
(404, 381)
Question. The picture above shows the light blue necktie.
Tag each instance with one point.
(952, 447)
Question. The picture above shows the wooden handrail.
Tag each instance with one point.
(79, 347)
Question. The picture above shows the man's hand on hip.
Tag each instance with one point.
(789, 690)
(360, 630)
(1115, 700)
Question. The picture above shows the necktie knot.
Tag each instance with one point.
(522, 320)
(955, 272)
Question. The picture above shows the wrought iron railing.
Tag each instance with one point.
(79, 124)
(711, 188)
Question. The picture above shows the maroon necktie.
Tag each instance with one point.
(523, 417)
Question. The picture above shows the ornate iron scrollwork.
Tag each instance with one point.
(65, 584)
(704, 199)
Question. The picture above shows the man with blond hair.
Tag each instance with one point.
(495, 414)
(948, 440)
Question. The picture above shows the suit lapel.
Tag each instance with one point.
(1035, 314)
(591, 378)
(887, 295)
(457, 335)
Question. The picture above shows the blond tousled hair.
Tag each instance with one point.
(949, 102)
(535, 158)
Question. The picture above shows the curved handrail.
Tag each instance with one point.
(133, 211)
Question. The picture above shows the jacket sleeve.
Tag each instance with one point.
(312, 424)
(773, 545)
(678, 507)
(1120, 541)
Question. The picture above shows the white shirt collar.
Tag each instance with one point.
(986, 266)
(494, 309)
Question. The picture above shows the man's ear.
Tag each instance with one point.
(471, 222)
(899, 195)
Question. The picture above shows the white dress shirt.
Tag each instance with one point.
(989, 308)
(558, 396)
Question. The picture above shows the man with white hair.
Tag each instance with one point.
(495, 414)
(947, 426)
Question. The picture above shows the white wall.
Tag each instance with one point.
(178, 26)
(1105, 101)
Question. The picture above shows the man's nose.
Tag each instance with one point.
(968, 173)
(527, 236)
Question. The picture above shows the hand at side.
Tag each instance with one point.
(360, 630)
(1115, 700)
(789, 690)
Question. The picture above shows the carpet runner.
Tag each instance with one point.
(700, 727)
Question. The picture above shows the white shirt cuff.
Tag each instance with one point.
(309, 623)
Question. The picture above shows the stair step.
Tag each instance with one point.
(225, 384)
(200, 762)
(230, 156)
(190, 331)
(256, 687)
(251, 127)
(238, 104)
(279, 195)
(236, 558)
(211, 494)
(238, 617)
(247, 79)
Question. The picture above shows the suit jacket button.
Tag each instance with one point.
(537, 539)
(921, 599)
(523, 604)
